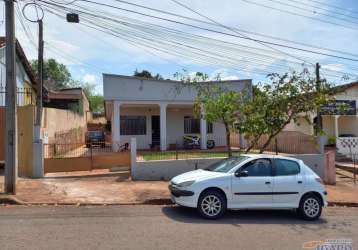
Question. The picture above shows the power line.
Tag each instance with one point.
(105, 18)
(214, 31)
(236, 29)
(328, 9)
(301, 15)
(314, 11)
(233, 30)
(333, 6)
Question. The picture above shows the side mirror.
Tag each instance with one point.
(242, 174)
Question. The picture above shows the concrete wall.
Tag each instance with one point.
(301, 125)
(59, 120)
(99, 161)
(315, 161)
(124, 88)
(167, 169)
(25, 116)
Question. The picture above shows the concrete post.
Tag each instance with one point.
(203, 133)
(242, 141)
(116, 122)
(163, 126)
(336, 128)
(38, 160)
(320, 142)
(133, 148)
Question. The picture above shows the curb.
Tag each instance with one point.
(9, 200)
(342, 204)
(14, 201)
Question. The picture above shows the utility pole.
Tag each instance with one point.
(318, 88)
(38, 166)
(40, 75)
(11, 115)
(318, 77)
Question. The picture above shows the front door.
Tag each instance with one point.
(255, 189)
(155, 130)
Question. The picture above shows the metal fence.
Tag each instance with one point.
(25, 96)
(71, 150)
(285, 142)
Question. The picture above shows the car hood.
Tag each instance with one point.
(196, 175)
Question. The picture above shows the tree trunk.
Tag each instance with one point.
(252, 145)
(228, 143)
(262, 149)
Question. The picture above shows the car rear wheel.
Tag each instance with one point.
(310, 207)
(212, 204)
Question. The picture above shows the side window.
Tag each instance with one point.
(259, 167)
(286, 167)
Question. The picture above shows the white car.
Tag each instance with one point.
(251, 182)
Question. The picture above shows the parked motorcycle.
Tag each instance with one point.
(193, 141)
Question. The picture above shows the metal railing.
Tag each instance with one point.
(71, 150)
(25, 96)
(286, 142)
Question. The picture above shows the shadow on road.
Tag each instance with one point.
(190, 215)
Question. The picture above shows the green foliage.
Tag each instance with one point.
(147, 74)
(276, 103)
(215, 100)
(56, 75)
(96, 103)
(331, 140)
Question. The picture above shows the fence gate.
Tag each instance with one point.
(78, 157)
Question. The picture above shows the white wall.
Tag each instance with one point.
(124, 88)
(175, 126)
(167, 169)
(21, 75)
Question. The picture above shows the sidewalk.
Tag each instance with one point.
(103, 187)
(96, 187)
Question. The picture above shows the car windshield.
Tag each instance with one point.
(226, 165)
(95, 134)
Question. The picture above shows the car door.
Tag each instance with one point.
(252, 185)
(287, 183)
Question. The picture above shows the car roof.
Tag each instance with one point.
(260, 156)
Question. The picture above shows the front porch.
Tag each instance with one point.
(344, 129)
(160, 125)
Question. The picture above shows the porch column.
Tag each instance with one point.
(203, 131)
(163, 126)
(336, 128)
(116, 116)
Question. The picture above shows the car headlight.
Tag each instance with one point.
(185, 184)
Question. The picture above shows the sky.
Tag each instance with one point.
(89, 53)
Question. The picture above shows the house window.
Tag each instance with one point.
(192, 126)
(133, 125)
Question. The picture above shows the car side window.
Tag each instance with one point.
(286, 167)
(259, 167)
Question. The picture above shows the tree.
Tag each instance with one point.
(96, 103)
(56, 75)
(147, 74)
(276, 103)
(217, 102)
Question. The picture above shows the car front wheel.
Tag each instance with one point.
(310, 207)
(212, 204)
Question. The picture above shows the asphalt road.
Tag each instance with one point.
(166, 227)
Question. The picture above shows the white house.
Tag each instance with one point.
(156, 113)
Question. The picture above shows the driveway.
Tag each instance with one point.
(166, 227)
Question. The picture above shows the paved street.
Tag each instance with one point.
(166, 227)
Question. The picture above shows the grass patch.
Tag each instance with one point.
(172, 155)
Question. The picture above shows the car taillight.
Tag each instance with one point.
(319, 180)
